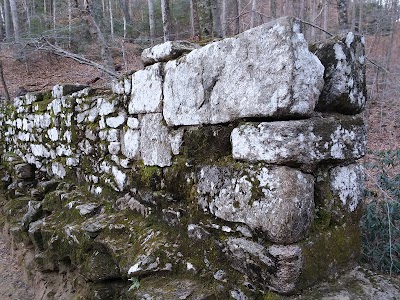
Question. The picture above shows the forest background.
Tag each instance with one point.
(46, 42)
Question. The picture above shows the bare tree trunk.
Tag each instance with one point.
(111, 20)
(166, 18)
(224, 16)
(7, 20)
(236, 15)
(44, 7)
(272, 8)
(14, 16)
(325, 17)
(313, 5)
(194, 12)
(253, 13)
(302, 9)
(97, 34)
(125, 14)
(216, 17)
(353, 15)
(54, 15)
(27, 14)
(1, 23)
(3, 83)
(69, 22)
(360, 20)
(342, 15)
(152, 22)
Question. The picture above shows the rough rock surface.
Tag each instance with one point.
(339, 194)
(265, 72)
(277, 267)
(155, 147)
(344, 61)
(166, 51)
(146, 91)
(307, 141)
(278, 201)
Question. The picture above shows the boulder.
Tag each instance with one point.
(345, 84)
(276, 201)
(264, 72)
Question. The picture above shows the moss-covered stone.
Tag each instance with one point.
(329, 253)
(207, 143)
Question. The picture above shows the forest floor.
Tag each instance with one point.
(12, 283)
(40, 71)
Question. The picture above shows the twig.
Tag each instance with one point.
(313, 25)
(61, 52)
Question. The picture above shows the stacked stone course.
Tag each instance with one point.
(249, 144)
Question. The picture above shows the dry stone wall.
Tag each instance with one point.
(233, 166)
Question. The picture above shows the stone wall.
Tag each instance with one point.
(229, 169)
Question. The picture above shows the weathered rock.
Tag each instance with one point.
(197, 232)
(276, 267)
(339, 193)
(34, 213)
(35, 234)
(166, 51)
(67, 89)
(345, 85)
(155, 147)
(278, 201)
(306, 142)
(264, 72)
(101, 266)
(24, 171)
(147, 87)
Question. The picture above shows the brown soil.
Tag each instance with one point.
(12, 284)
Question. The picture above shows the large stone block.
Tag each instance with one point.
(301, 142)
(277, 201)
(264, 72)
(345, 85)
(155, 147)
(146, 91)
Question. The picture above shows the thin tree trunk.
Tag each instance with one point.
(253, 13)
(111, 20)
(313, 15)
(325, 17)
(14, 16)
(7, 20)
(216, 17)
(44, 7)
(224, 15)
(342, 15)
(69, 22)
(1, 23)
(302, 9)
(272, 8)
(152, 23)
(27, 14)
(360, 20)
(236, 15)
(125, 15)
(194, 13)
(166, 18)
(3, 83)
(96, 33)
(54, 14)
(353, 15)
